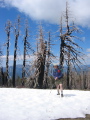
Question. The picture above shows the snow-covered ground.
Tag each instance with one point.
(36, 104)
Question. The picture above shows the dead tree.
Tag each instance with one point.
(24, 55)
(41, 58)
(69, 50)
(61, 46)
(49, 57)
(17, 32)
(2, 76)
(46, 69)
(1, 68)
(1, 53)
(27, 49)
(85, 79)
(8, 30)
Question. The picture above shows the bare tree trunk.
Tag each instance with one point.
(49, 57)
(68, 76)
(88, 75)
(61, 47)
(41, 58)
(14, 62)
(45, 84)
(68, 70)
(27, 49)
(1, 53)
(2, 74)
(68, 57)
(24, 59)
(8, 28)
(84, 80)
(15, 51)
(47, 61)
(1, 68)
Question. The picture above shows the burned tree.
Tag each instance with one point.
(41, 58)
(27, 49)
(49, 57)
(17, 32)
(1, 53)
(1, 69)
(47, 62)
(8, 30)
(24, 55)
(69, 50)
(2, 79)
(61, 46)
(46, 68)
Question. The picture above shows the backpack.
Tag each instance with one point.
(61, 74)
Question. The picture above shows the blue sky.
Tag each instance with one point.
(49, 13)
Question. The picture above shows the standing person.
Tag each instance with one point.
(57, 74)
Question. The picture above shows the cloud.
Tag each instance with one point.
(4, 57)
(19, 60)
(83, 39)
(2, 4)
(19, 57)
(51, 10)
(87, 59)
(88, 50)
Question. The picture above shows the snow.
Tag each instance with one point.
(37, 104)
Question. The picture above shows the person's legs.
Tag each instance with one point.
(58, 90)
(57, 86)
(61, 89)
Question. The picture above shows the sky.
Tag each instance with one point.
(49, 13)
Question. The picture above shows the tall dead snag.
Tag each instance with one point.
(8, 30)
(40, 62)
(1, 53)
(61, 46)
(24, 54)
(69, 50)
(1, 68)
(2, 76)
(48, 60)
(27, 49)
(46, 68)
(17, 31)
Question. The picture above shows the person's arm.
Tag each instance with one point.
(54, 74)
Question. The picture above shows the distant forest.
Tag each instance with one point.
(38, 72)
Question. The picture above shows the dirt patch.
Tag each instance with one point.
(87, 118)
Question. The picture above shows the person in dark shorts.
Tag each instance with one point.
(58, 76)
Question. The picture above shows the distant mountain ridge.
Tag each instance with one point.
(19, 69)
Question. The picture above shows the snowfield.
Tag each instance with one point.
(37, 104)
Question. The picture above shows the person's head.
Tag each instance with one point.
(55, 66)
